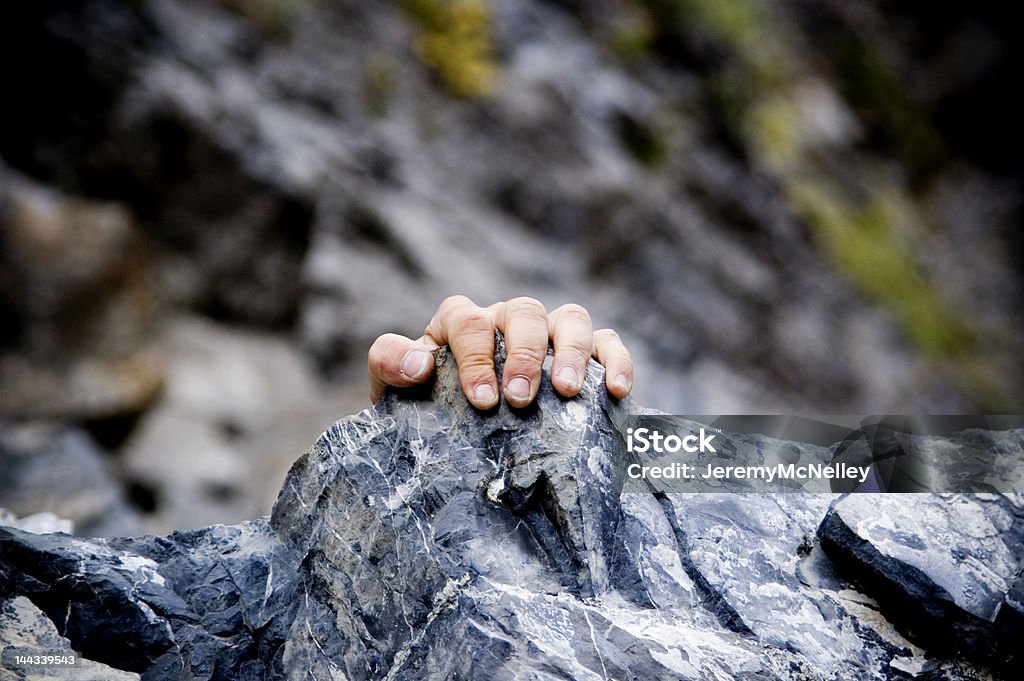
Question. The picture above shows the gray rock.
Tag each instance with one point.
(946, 568)
(56, 469)
(38, 523)
(25, 629)
(211, 448)
(422, 539)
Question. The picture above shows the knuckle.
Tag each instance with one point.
(527, 356)
(527, 304)
(526, 313)
(574, 312)
(457, 300)
(471, 322)
(382, 352)
(476, 368)
(376, 361)
(579, 348)
(607, 335)
(452, 305)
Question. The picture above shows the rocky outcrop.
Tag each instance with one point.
(422, 539)
(719, 185)
(24, 627)
(946, 568)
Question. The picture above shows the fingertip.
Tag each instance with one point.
(619, 384)
(482, 396)
(524, 322)
(520, 391)
(566, 380)
(416, 364)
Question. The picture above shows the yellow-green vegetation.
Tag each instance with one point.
(748, 28)
(631, 35)
(861, 235)
(865, 242)
(770, 124)
(865, 227)
(455, 39)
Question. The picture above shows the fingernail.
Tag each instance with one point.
(518, 389)
(622, 380)
(414, 364)
(569, 375)
(484, 395)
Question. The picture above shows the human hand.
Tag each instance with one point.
(468, 329)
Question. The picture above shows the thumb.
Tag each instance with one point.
(400, 362)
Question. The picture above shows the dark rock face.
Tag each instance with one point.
(424, 540)
(946, 565)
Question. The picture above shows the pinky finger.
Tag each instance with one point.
(609, 351)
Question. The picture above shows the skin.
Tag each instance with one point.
(468, 329)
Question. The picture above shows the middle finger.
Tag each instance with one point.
(524, 321)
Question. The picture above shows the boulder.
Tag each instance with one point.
(944, 567)
(423, 539)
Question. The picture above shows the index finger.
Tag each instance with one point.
(468, 330)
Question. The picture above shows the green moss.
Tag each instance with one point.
(866, 247)
(772, 128)
(747, 28)
(738, 23)
(455, 40)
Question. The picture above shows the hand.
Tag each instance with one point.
(469, 330)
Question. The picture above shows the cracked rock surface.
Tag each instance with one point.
(422, 539)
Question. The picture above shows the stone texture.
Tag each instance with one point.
(944, 566)
(422, 539)
(24, 627)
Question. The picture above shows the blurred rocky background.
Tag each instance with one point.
(210, 208)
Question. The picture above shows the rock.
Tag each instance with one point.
(210, 448)
(37, 523)
(46, 468)
(945, 568)
(76, 304)
(25, 629)
(422, 539)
